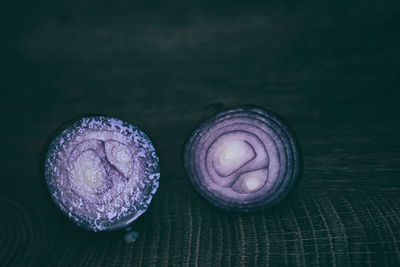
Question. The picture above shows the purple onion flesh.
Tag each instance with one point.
(102, 172)
(245, 158)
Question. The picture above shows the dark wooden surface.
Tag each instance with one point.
(331, 69)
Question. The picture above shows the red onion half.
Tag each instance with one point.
(245, 158)
(102, 172)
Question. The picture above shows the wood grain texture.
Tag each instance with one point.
(331, 70)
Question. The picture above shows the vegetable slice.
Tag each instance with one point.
(102, 172)
(245, 158)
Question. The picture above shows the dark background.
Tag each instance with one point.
(332, 70)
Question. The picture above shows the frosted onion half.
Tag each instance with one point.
(102, 172)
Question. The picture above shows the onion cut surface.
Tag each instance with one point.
(102, 172)
(245, 158)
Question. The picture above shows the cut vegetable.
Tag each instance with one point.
(102, 172)
(246, 158)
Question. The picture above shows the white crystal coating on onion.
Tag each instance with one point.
(102, 172)
(244, 158)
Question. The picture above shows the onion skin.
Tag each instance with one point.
(245, 158)
(102, 172)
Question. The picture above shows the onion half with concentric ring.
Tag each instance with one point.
(245, 158)
(102, 172)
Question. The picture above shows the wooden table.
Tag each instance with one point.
(332, 70)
